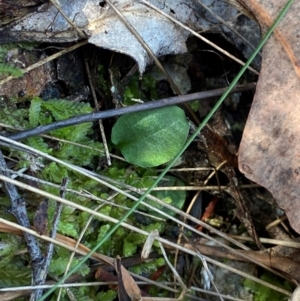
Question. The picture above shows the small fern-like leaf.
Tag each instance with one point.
(58, 265)
(52, 172)
(38, 143)
(14, 275)
(82, 294)
(80, 132)
(110, 295)
(34, 111)
(62, 109)
(7, 69)
(68, 228)
(14, 117)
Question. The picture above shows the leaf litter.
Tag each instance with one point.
(104, 29)
(269, 151)
(68, 37)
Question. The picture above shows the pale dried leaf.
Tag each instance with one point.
(131, 287)
(104, 28)
(148, 244)
(269, 151)
(296, 294)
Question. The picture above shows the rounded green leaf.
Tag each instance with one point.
(151, 138)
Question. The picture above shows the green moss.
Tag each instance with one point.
(263, 293)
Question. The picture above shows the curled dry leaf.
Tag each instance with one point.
(104, 28)
(148, 244)
(269, 151)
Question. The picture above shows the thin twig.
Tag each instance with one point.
(126, 110)
(115, 283)
(76, 246)
(18, 209)
(79, 31)
(62, 140)
(101, 127)
(107, 182)
(181, 233)
(45, 60)
(278, 242)
(165, 242)
(108, 218)
(276, 222)
(175, 273)
(206, 270)
(225, 23)
(199, 36)
(43, 271)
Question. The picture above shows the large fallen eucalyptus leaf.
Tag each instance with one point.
(104, 29)
(151, 138)
(269, 151)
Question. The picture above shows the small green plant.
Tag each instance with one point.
(8, 69)
(263, 293)
(43, 112)
(144, 89)
(109, 295)
(151, 138)
(8, 245)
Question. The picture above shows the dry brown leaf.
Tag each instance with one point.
(127, 283)
(269, 151)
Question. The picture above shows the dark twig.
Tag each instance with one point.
(43, 271)
(18, 209)
(121, 111)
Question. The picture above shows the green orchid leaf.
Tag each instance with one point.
(151, 138)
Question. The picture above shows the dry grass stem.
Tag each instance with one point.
(200, 37)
